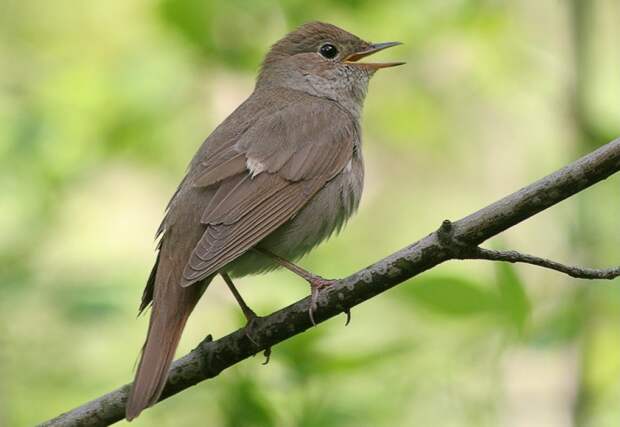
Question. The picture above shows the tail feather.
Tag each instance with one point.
(171, 308)
(157, 354)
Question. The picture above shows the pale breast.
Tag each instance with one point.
(323, 215)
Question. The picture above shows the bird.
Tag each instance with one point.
(277, 177)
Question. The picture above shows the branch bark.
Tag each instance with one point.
(453, 240)
(573, 271)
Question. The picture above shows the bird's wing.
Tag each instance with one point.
(270, 173)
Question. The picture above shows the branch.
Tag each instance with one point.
(573, 271)
(460, 250)
(212, 357)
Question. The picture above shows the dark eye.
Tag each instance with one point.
(328, 51)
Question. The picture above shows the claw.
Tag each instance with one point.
(311, 315)
(267, 354)
(249, 326)
(316, 284)
(248, 333)
(348, 313)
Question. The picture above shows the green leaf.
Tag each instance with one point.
(515, 303)
(452, 295)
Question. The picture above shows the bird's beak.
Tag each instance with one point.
(373, 48)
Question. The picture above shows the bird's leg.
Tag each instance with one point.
(316, 282)
(247, 311)
(249, 314)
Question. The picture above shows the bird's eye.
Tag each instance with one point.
(328, 51)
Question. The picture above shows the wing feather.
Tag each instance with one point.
(222, 243)
(217, 173)
(243, 197)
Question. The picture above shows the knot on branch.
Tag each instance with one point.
(454, 246)
(461, 250)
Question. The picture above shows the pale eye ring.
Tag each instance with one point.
(328, 51)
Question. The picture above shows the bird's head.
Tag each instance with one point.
(323, 60)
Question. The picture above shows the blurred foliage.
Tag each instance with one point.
(459, 296)
(102, 105)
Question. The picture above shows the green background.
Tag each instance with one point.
(103, 103)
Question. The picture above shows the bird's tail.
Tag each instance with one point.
(172, 306)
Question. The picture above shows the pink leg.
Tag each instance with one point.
(316, 282)
(247, 311)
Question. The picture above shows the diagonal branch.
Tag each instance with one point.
(212, 357)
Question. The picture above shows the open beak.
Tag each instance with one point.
(373, 48)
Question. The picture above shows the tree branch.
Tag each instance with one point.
(573, 271)
(460, 250)
(212, 357)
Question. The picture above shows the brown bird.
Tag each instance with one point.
(281, 174)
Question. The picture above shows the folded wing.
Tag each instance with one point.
(266, 177)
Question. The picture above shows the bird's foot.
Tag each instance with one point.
(250, 325)
(316, 284)
(248, 313)
(249, 330)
